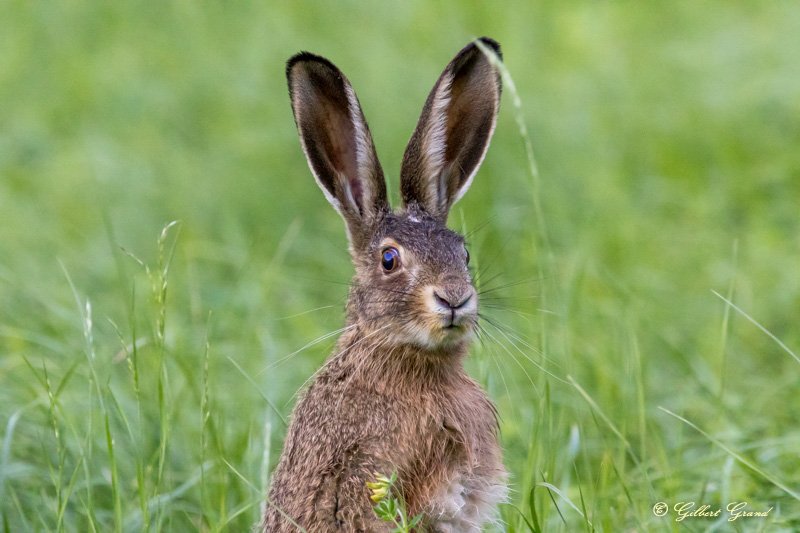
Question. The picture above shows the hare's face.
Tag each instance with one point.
(414, 283)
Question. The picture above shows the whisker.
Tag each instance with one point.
(500, 371)
(526, 356)
(520, 339)
(320, 280)
(479, 281)
(530, 380)
(303, 313)
(509, 285)
(333, 357)
(305, 346)
(505, 298)
(522, 314)
(480, 226)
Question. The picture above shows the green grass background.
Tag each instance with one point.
(138, 372)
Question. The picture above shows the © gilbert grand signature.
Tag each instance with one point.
(733, 510)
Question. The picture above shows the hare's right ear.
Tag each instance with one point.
(337, 142)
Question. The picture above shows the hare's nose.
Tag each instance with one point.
(449, 302)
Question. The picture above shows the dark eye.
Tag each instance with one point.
(467, 255)
(390, 259)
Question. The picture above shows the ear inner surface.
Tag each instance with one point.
(453, 132)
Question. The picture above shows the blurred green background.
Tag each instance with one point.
(135, 389)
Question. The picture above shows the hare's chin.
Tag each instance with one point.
(433, 337)
(455, 334)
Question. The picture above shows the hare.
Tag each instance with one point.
(394, 396)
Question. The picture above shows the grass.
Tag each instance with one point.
(641, 333)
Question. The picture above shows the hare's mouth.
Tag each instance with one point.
(455, 321)
(456, 324)
(452, 334)
(454, 329)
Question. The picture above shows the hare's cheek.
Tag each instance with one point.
(409, 331)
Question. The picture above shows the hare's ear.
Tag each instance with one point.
(337, 142)
(453, 133)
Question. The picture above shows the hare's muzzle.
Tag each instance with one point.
(455, 305)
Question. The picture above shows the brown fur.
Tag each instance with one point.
(408, 411)
(394, 396)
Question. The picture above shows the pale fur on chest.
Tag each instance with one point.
(467, 503)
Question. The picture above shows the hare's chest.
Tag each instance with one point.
(474, 482)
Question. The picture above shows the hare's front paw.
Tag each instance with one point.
(466, 504)
(454, 499)
(451, 511)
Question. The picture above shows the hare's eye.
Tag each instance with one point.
(390, 259)
(467, 255)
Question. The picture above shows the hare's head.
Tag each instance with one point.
(412, 278)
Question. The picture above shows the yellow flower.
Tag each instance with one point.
(378, 494)
(380, 487)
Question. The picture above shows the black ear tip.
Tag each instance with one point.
(492, 44)
(308, 57)
(472, 51)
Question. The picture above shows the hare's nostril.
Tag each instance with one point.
(443, 302)
(451, 303)
(463, 302)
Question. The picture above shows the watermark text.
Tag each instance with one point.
(732, 512)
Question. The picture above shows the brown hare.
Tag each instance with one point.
(394, 396)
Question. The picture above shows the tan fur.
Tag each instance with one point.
(394, 396)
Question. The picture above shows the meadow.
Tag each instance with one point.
(170, 274)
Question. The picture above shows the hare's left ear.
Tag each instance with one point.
(453, 133)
